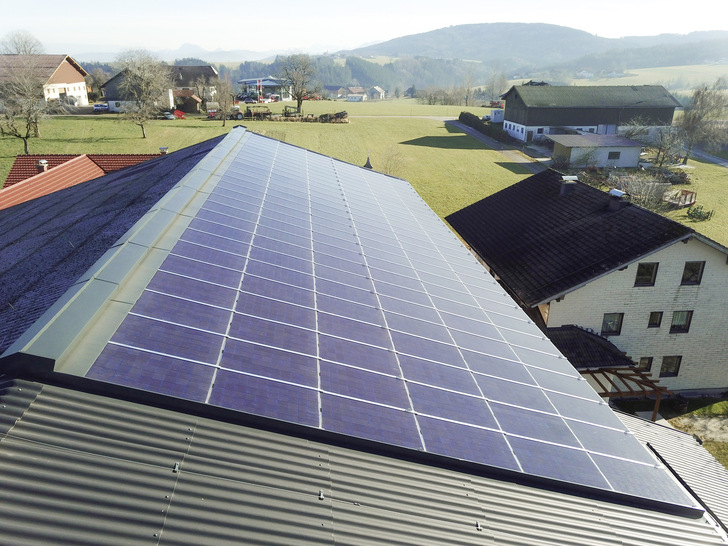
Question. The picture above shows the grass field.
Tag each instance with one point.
(678, 79)
(401, 137)
(448, 169)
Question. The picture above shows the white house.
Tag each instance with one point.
(64, 79)
(573, 255)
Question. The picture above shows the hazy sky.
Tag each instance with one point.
(329, 25)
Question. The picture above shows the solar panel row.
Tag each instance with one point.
(316, 292)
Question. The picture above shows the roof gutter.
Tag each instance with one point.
(685, 237)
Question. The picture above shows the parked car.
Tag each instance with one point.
(101, 107)
(166, 115)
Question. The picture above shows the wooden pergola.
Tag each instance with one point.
(627, 383)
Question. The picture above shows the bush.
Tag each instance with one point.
(697, 213)
(493, 130)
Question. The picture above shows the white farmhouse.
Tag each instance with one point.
(573, 255)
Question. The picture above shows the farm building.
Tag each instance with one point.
(265, 87)
(534, 111)
(63, 78)
(248, 342)
(119, 101)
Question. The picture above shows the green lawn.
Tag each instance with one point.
(402, 137)
(447, 168)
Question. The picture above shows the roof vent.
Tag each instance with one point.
(41, 165)
(615, 198)
(568, 183)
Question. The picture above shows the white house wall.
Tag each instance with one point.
(76, 90)
(599, 157)
(704, 349)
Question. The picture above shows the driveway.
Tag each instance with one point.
(512, 154)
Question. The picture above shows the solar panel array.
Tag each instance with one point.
(320, 293)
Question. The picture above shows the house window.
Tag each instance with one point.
(645, 364)
(540, 130)
(614, 155)
(655, 319)
(670, 366)
(612, 324)
(693, 272)
(646, 274)
(681, 322)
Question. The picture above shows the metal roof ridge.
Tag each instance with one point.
(115, 281)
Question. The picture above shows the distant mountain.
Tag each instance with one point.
(523, 46)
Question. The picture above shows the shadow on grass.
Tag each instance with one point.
(515, 168)
(456, 141)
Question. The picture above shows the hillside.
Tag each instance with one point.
(525, 48)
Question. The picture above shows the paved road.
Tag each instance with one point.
(708, 157)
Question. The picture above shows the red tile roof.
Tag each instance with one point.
(72, 172)
(24, 166)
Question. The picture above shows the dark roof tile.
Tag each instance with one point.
(48, 247)
(543, 244)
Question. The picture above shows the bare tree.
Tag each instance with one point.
(646, 191)
(20, 42)
(95, 80)
(700, 120)
(146, 84)
(225, 96)
(496, 82)
(22, 102)
(469, 85)
(669, 143)
(298, 71)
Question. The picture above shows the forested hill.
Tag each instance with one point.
(521, 46)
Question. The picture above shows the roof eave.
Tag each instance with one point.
(563, 293)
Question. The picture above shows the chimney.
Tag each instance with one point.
(568, 183)
(615, 198)
(41, 165)
(163, 150)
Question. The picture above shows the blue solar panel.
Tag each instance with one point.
(316, 292)
(270, 363)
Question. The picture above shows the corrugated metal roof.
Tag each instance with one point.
(696, 466)
(86, 469)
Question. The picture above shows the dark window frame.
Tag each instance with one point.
(674, 362)
(615, 331)
(645, 363)
(646, 279)
(614, 155)
(682, 327)
(692, 277)
(655, 319)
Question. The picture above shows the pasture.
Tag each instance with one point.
(449, 169)
(676, 79)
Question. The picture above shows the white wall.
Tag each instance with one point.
(75, 90)
(704, 349)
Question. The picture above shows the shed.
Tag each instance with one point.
(596, 150)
